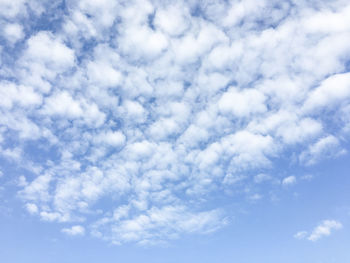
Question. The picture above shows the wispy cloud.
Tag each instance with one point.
(324, 229)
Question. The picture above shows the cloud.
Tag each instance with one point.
(13, 32)
(37, 190)
(173, 20)
(45, 48)
(300, 235)
(332, 90)
(324, 229)
(326, 147)
(290, 180)
(32, 208)
(103, 74)
(74, 231)
(242, 104)
(11, 9)
(62, 104)
(12, 153)
(336, 21)
(260, 178)
(130, 117)
(158, 224)
(24, 96)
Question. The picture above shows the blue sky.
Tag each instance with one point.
(174, 131)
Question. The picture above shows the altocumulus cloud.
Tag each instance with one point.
(158, 105)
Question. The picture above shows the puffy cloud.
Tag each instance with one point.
(12, 153)
(32, 208)
(326, 147)
(290, 180)
(248, 149)
(192, 45)
(62, 104)
(13, 32)
(288, 126)
(11, 9)
(38, 189)
(332, 90)
(45, 48)
(103, 75)
(74, 231)
(173, 20)
(46, 56)
(112, 138)
(328, 21)
(242, 103)
(24, 96)
(157, 105)
(324, 229)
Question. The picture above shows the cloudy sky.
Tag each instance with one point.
(174, 131)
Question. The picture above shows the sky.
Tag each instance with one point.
(174, 131)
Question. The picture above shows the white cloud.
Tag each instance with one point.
(11, 9)
(242, 10)
(62, 104)
(46, 56)
(192, 45)
(74, 231)
(111, 138)
(13, 32)
(12, 153)
(248, 150)
(52, 216)
(328, 21)
(140, 150)
(161, 223)
(260, 178)
(103, 75)
(298, 132)
(223, 56)
(288, 126)
(324, 229)
(173, 20)
(32, 208)
(290, 180)
(37, 190)
(138, 41)
(156, 105)
(326, 147)
(300, 235)
(12, 94)
(242, 103)
(332, 90)
(45, 48)
(255, 197)
(134, 110)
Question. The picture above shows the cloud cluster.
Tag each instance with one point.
(129, 115)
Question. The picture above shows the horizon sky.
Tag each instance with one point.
(174, 131)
